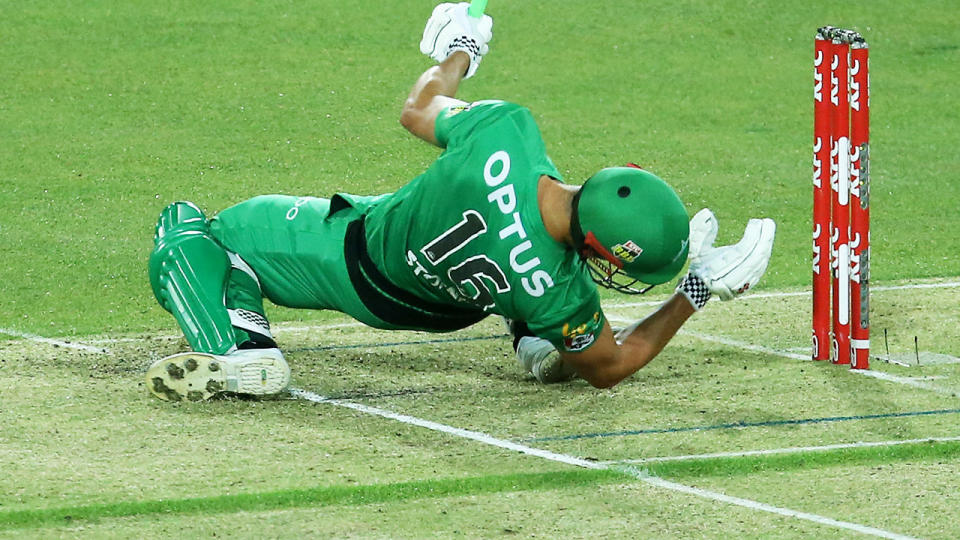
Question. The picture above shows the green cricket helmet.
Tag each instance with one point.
(631, 227)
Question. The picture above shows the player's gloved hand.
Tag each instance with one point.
(726, 271)
(538, 356)
(451, 29)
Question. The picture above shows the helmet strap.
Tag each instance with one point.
(592, 243)
(587, 244)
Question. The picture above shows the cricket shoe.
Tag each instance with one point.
(195, 376)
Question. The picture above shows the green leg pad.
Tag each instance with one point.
(188, 273)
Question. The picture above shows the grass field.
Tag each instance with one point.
(112, 110)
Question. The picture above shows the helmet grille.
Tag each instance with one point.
(607, 275)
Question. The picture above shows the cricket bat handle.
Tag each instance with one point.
(477, 8)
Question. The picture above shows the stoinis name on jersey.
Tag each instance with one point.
(495, 172)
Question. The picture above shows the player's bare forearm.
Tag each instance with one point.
(647, 338)
(433, 92)
(614, 358)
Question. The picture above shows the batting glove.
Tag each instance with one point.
(451, 29)
(726, 271)
(538, 356)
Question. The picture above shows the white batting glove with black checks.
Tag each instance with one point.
(696, 291)
(726, 271)
(451, 29)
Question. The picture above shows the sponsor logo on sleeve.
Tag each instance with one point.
(453, 111)
(578, 338)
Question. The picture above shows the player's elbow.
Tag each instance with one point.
(603, 384)
(414, 118)
(419, 122)
(610, 370)
(602, 378)
(408, 117)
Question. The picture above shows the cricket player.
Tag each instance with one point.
(490, 228)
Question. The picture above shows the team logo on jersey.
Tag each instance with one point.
(628, 251)
(578, 338)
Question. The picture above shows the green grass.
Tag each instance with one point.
(582, 479)
(112, 110)
(322, 496)
(734, 466)
(89, 441)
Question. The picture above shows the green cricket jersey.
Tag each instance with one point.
(468, 230)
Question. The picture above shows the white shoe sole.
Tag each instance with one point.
(194, 376)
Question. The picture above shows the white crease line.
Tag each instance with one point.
(763, 507)
(278, 329)
(54, 342)
(777, 451)
(943, 285)
(725, 341)
(908, 381)
(111, 341)
(281, 328)
(466, 434)
(746, 346)
(757, 296)
(579, 462)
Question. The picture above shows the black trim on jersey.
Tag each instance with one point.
(576, 231)
(520, 330)
(337, 203)
(392, 304)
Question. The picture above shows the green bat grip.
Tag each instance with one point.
(476, 8)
